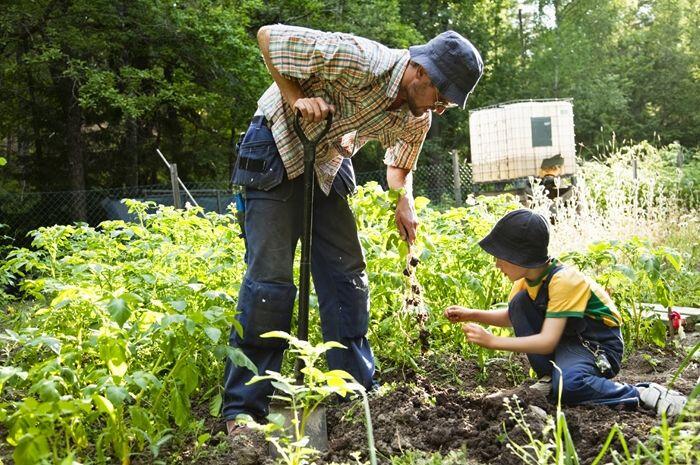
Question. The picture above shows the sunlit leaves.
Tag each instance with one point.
(119, 311)
(114, 354)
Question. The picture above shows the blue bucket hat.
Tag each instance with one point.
(521, 237)
(452, 63)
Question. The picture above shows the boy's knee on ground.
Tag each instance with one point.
(574, 384)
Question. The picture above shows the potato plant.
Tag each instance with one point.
(115, 332)
(127, 326)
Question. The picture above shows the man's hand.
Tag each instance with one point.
(478, 335)
(313, 108)
(406, 219)
(456, 314)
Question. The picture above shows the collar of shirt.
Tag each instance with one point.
(392, 89)
(553, 262)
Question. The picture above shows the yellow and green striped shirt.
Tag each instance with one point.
(572, 295)
(361, 78)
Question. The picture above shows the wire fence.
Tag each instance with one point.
(22, 212)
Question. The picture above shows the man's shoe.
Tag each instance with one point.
(248, 444)
(661, 399)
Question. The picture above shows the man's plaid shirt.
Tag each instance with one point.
(361, 78)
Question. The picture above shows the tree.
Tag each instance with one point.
(661, 55)
(103, 83)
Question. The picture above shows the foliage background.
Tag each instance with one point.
(90, 88)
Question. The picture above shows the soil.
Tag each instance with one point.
(447, 405)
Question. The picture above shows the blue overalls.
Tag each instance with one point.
(582, 381)
(273, 226)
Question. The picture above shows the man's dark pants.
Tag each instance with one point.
(273, 226)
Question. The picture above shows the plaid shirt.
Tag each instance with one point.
(361, 78)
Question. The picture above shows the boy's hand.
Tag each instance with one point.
(478, 335)
(456, 314)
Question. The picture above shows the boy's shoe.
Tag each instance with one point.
(543, 385)
(661, 399)
(248, 444)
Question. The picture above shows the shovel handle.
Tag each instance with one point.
(302, 135)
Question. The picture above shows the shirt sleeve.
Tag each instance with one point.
(300, 53)
(569, 293)
(404, 153)
(517, 287)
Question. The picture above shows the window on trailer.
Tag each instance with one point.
(541, 131)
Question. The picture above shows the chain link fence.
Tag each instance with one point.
(22, 212)
(436, 182)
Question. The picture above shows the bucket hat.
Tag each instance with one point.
(453, 64)
(521, 237)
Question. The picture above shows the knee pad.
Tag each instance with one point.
(265, 307)
(353, 298)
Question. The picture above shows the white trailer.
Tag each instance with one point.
(510, 141)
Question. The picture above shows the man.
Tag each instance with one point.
(374, 93)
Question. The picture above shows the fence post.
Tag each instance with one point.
(457, 178)
(634, 168)
(177, 201)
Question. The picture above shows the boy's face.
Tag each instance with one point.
(513, 272)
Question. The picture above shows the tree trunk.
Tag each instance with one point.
(131, 150)
(29, 111)
(74, 147)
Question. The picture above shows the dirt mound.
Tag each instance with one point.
(424, 412)
(447, 402)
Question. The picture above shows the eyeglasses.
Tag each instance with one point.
(441, 103)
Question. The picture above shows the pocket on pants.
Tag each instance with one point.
(353, 296)
(265, 307)
(259, 165)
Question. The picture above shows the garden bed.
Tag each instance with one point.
(452, 408)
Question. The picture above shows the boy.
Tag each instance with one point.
(558, 315)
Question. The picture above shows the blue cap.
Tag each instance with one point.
(452, 63)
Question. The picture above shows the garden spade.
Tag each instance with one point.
(316, 425)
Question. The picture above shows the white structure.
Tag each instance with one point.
(510, 140)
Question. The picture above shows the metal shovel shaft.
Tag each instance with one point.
(305, 266)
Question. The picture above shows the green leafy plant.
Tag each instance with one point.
(303, 400)
(121, 332)
(114, 334)
(634, 272)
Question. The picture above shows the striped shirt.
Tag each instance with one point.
(572, 295)
(361, 78)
